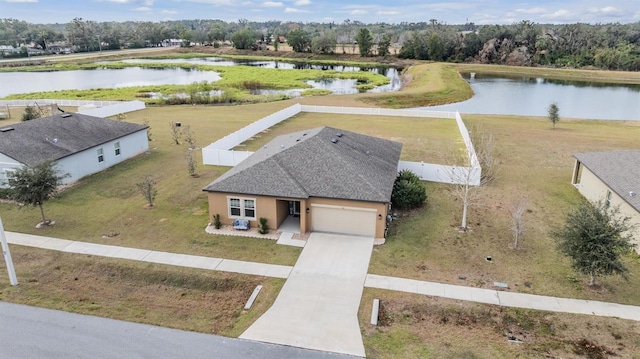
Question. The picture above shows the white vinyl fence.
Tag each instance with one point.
(114, 109)
(219, 153)
(101, 109)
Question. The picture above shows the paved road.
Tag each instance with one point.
(31, 332)
(317, 307)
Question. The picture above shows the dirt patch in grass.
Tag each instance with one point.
(182, 298)
(420, 326)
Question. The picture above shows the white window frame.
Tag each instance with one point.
(243, 206)
(608, 197)
(100, 155)
(116, 148)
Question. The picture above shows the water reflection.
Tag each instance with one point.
(340, 86)
(26, 82)
(531, 96)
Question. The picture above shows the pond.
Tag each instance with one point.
(26, 82)
(336, 86)
(530, 96)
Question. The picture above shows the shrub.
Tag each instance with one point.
(408, 191)
(216, 221)
(264, 227)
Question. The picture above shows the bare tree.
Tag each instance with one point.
(466, 187)
(146, 123)
(191, 163)
(485, 149)
(517, 220)
(148, 189)
(176, 132)
(189, 137)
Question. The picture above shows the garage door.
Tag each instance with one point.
(343, 220)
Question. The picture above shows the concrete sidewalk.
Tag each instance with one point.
(503, 298)
(145, 255)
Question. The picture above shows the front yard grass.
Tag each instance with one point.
(107, 207)
(182, 298)
(415, 326)
(534, 162)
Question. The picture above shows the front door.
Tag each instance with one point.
(294, 208)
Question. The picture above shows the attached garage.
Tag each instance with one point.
(343, 220)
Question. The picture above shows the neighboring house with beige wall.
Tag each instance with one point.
(325, 179)
(613, 177)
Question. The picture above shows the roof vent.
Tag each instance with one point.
(339, 134)
(368, 152)
(334, 140)
(304, 134)
(632, 193)
(65, 115)
(6, 129)
(282, 147)
(55, 140)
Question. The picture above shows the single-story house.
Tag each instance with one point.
(80, 144)
(324, 179)
(613, 177)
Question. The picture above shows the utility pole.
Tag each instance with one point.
(7, 256)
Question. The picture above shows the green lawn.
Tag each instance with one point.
(423, 139)
(534, 162)
(109, 203)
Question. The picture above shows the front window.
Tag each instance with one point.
(608, 199)
(116, 147)
(242, 208)
(100, 155)
(249, 208)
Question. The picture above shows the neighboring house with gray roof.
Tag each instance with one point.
(80, 144)
(613, 177)
(322, 179)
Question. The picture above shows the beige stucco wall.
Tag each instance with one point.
(275, 209)
(593, 189)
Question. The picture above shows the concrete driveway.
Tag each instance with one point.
(317, 307)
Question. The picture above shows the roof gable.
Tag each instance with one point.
(59, 136)
(322, 162)
(619, 170)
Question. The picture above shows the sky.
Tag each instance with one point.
(371, 11)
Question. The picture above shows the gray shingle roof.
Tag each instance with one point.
(619, 170)
(308, 164)
(59, 136)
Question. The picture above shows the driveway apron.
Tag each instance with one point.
(317, 307)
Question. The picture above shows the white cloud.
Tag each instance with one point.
(359, 12)
(388, 12)
(302, 2)
(272, 4)
(119, 1)
(611, 11)
(22, 1)
(148, 2)
(291, 10)
(559, 15)
(534, 10)
(143, 9)
(168, 12)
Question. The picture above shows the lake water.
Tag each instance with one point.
(527, 96)
(26, 82)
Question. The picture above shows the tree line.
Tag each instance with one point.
(607, 46)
